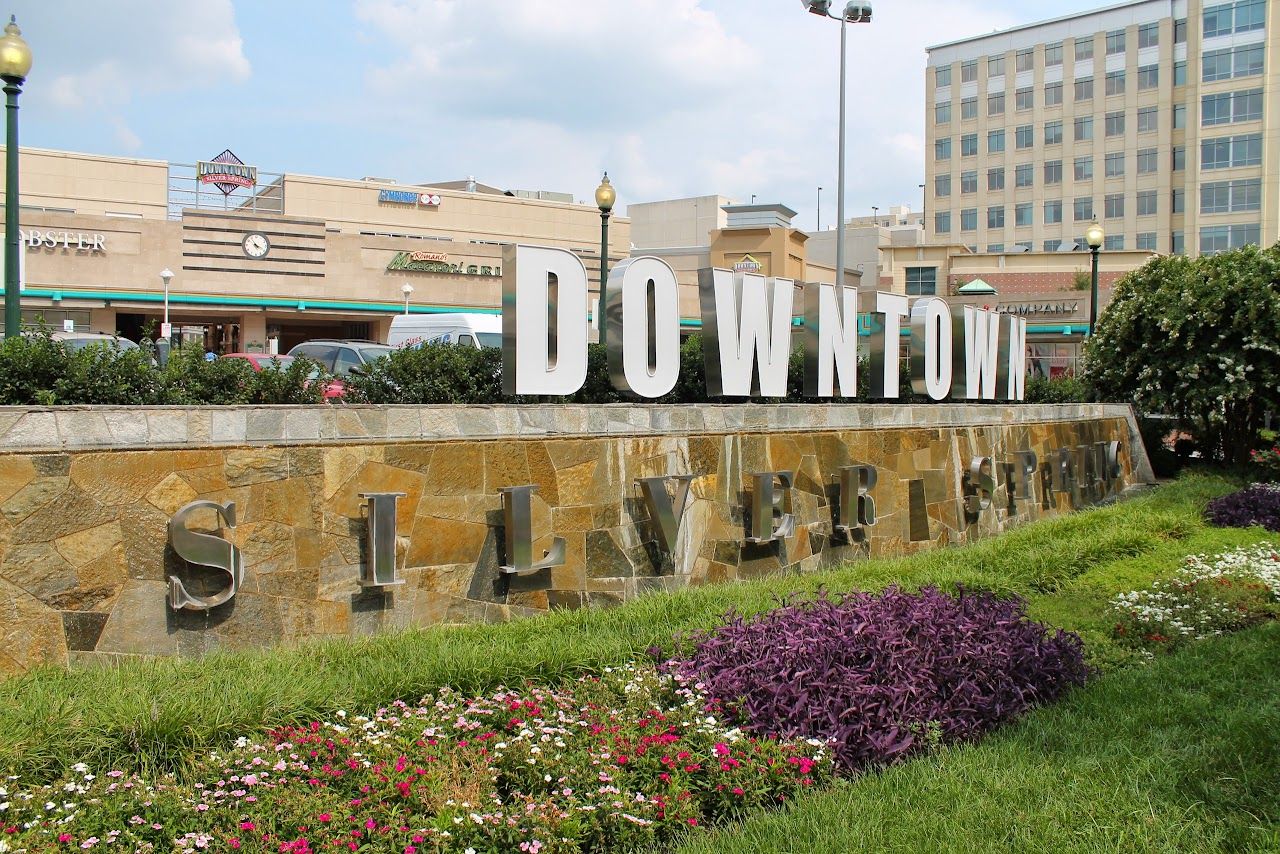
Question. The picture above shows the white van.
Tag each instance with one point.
(469, 330)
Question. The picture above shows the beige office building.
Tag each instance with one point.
(263, 261)
(1157, 117)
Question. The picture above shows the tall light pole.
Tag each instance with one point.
(15, 62)
(407, 290)
(166, 276)
(605, 197)
(857, 12)
(819, 226)
(1093, 235)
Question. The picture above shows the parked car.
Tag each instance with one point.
(341, 357)
(79, 340)
(468, 330)
(334, 389)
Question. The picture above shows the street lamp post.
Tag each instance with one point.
(407, 290)
(857, 12)
(605, 197)
(15, 63)
(1093, 235)
(819, 227)
(166, 276)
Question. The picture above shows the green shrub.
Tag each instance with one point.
(1063, 389)
(188, 379)
(431, 373)
(35, 370)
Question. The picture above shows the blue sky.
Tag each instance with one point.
(673, 97)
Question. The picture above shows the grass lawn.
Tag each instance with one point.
(1183, 755)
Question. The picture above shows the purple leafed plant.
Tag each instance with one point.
(1258, 504)
(881, 675)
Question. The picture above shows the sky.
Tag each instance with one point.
(673, 98)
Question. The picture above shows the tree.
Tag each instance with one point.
(1198, 339)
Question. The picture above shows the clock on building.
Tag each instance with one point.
(256, 245)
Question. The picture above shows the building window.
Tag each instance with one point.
(1084, 48)
(1024, 99)
(1231, 107)
(1084, 89)
(942, 222)
(1216, 238)
(1053, 94)
(1226, 151)
(1024, 60)
(1179, 116)
(1178, 201)
(1115, 42)
(1113, 164)
(1023, 175)
(1115, 83)
(968, 182)
(1084, 209)
(1244, 194)
(1148, 35)
(1083, 128)
(1053, 171)
(1147, 241)
(1180, 73)
(1177, 243)
(1147, 202)
(995, 66)
(1148, 77)
(968, 108)
(969, 219)
(969, 71)
(1229, 62)
(1022, 214)
(922, 281)
(995, 217)
(995, 247)
(1024, 136)
(1148, 119)
(1052, 245)
(942, 113)
(1179, 158)
(995, 104)
(1053, 54)
(942, 148)
(1147, 163)
(1115, 123)
(968, 145)
(1084, 168)
(1113, 205)
(942, 76)
(995, 141)
(941, 186)
(1053, 212)
(1238, 17)
(1113, 242)
(995, 178)
(1053, 133)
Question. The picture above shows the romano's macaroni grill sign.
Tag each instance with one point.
(958, 352)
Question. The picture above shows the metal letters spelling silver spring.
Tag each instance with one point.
(767, 502)
(205, 550)
(665, 512)
(379, 568)
(518, 520)
(856, 506)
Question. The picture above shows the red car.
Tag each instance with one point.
(334, 389)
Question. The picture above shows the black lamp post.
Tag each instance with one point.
(1093, 235)
(605, 197)
(15, 62)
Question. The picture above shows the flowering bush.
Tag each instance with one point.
(1268, 460)
(1208, 596)
(1258, 504)
(882, 675)
(618, 762)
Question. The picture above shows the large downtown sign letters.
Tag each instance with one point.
(957, 352)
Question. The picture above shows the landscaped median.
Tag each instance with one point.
(591, 747)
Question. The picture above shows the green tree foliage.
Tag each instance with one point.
(1198, 339)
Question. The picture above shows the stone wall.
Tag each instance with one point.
(86, 495)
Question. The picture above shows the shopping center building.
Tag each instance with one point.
(277, 258)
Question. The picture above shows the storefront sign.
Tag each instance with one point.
(409, 197)
(958, 352)
(226, 172)
(748, 265)
(437, 262)
(1021, 308)
(77, 240)
(1082, 474)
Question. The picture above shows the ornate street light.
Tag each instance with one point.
(855, 12)
(605, 197)
(407, 290)
(15, 62)
(1094, 235)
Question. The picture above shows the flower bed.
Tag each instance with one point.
(1258, 504)
(1208, 596)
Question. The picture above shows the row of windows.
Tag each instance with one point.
(1238, 17)
(1216, 238)
(1024, 60)
(1230, 151)
(1231, 196)
(1231, 107)
(1147, 203)
(1229, 62)
(1225, 152)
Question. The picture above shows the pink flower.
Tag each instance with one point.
(233, 842)
(722, 749)
(64, 837)
(246, 825)
(325, 818)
